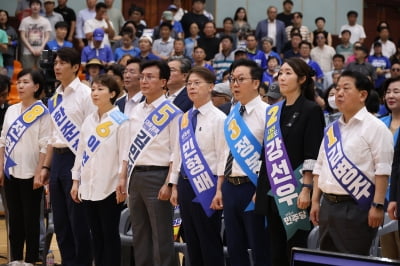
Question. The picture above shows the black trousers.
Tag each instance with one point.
(103, 217)
(23, 204)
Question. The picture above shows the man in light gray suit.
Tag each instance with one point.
(272, 28)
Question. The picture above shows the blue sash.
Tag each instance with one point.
(18, 128)
(64, 124)
(152, 126)
(244, 147)
(200, 176)
(102, 133)
(346, 173)
(285, 183)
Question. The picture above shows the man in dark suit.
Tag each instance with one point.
(177, 92)
(279, 35)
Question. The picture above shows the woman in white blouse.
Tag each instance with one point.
(102, 144)
(23, 145)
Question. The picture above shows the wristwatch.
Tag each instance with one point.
(377, 205)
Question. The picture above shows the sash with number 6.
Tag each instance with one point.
(196, 168)
(65, 126)
(244, 147)
(346, 173)
(102, 132)
(285, 183)
(18, 128)
(155, 122)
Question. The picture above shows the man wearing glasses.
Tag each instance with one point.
(244, 131)
(298, 23)
(154, 131)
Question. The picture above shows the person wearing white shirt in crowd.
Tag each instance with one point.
(345, 225)
(101, 20)
(149, 192)
(83, 16)
(388, 47)
(323, 53)
(357, 30)
(95, 179)
(70, 224)
(24, 185)
(52, 16)
(202, 232)
(132, 86)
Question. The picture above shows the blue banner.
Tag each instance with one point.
(350, 178)
(285, 183)
(244, 147)
(200, 176)
(18, 128)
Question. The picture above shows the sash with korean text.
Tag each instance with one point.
(200, 176)
(350, 178)
(285, 183)
(18, 128)
(244, 146)
(102, 132)
(152, 126)
(63, 123)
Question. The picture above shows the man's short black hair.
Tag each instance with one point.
(100, 5)
(61, 24)
(351, 13)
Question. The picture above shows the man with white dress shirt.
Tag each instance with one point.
(177, 91)
(244, 130)
(357, 30)
(101, 20)
(153, 133)
(272, 28)
(388, 47)
(323, 53)
(351, 173)
(69, 107)
(83, 16)
(131, 84)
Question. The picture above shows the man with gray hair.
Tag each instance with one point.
(177, 92)
(273, 28)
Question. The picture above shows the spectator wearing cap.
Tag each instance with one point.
(97, 49)
(195, 15)
(145, 46)
(52, 16)
(177, 9)
(360, 64)
(273, 94)
(61, 30)
(345, 47)
(115, 15)
(272, 28)
(380, 63)
(266, 44)
(221, 94)
(69, 17)
(357, 30)
(83, 15)
(101, 20)
(164, 46)
(286, 16)
(93, 69)
(323, 53)
(209, 41)
(177, 30)
(298, 24)
(240, 53)
(388, 47)
(223, 60)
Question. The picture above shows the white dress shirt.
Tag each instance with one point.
(78, 105)
(99, 177)
(83, 15)
(272, 30)
(357, 32)
(34, 141)
(159, 151)
(92, 24)
(210, 139)
(132, 103)
(368, 144)
(254, 117)
(323, 57)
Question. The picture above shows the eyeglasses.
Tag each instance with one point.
(395, 69)
(148, 78)
(238, 81)
(195, 84)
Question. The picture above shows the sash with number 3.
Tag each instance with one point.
(18, 128)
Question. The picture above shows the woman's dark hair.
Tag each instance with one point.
(37, 78)
(301, 69)
(373, 101)
(110, 83)
(125, 26)
(204, 73)
(5, 83)
(237, 11)
(385, 87)
(8, 17)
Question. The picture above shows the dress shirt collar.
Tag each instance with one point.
(360, 116)
(156, 102)
(70, 88)
(170, 39)
(105, 115)
(204, 108)
(135, 98)
(253, 104)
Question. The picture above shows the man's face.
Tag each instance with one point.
(101, 13)
(131, 76)
(209, 30)
(35, 7)
(62, 2)
(63, 70)
(320, 39)
(179, 46)
(61, 32)
(296, 40)
(198, 7)
(348, 98)
(97, 44)
(338, 63)
(177, 78)
(384, 34)
(151, 84)
(288, 7)
(251, 42)
(244, 88)
(352, 19)
(136, 16)
(305, 51)
(226, 44)
(91, 3)
(297, 20)
(144, 45)
(272, 13)
(49, 7)
(345, 37)
(165, 33)
(267, 47)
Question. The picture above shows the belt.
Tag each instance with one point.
(337, 198)
(143, 168)
(238, 180)
(61, 150)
